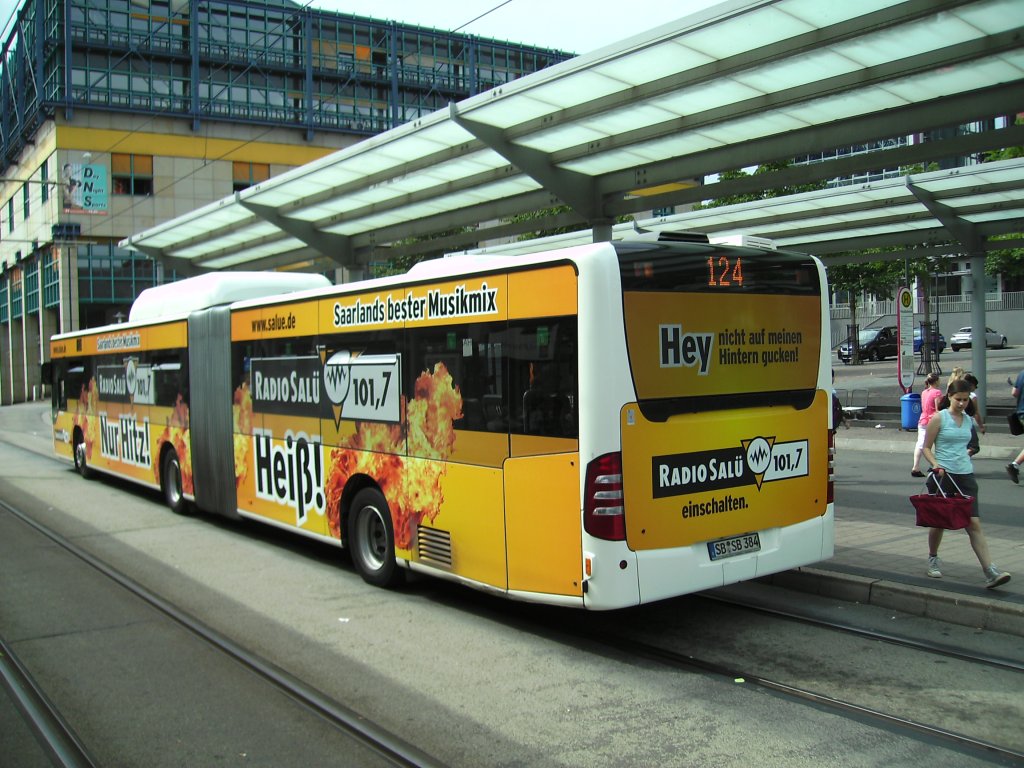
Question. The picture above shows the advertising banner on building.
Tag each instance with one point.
(84, 188)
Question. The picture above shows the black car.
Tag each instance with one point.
(875, 344)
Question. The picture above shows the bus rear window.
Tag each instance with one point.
(718, 327)
(697, 268)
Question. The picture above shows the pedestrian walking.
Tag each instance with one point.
(929, 397)
(945, 449)
(974, 410)
(1013, 468)
(838, 415)
(954, 375)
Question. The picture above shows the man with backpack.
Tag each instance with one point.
(1017, 425)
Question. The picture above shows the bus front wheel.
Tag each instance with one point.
(170, 481)
(371, 539)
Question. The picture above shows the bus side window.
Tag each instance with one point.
(543, 372)
(169, 379)
(72, 376)
(474, 355)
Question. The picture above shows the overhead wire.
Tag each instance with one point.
(485, 13)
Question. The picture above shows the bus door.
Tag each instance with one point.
(542, 474)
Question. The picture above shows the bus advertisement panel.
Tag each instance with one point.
(121, 390)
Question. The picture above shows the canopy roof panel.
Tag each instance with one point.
(988, 197)
(739, 84)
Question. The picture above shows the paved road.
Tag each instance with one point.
(882, 384)
(447, 668)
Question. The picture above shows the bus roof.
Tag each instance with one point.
(215, 289)
(452, 266)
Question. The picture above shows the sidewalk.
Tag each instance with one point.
(881, 563)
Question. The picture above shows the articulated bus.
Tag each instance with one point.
(597, 426)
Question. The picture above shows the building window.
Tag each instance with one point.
(51, 278)
(131, 174)
(247, 174)
(25, 202)
(10, 215)
(16, 288)
(31, 286)
(44, 178)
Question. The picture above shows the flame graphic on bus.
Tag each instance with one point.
(85, 416)
(241, 416)
(411, 484)
(177, 434)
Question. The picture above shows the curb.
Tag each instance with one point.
(964, 610)
(884, 445)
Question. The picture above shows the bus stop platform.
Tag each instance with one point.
(880, 555)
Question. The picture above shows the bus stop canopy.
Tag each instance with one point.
(639, 126)
(935, 213)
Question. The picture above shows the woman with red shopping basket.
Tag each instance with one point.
(945, 448)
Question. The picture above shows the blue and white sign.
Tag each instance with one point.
(84, 188)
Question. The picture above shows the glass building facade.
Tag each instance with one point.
(183, 69)
(253, 61)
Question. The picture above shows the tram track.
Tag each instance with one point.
(737, 671)
(942, 649)
(50, 727)
(55, 736)
(864, 714)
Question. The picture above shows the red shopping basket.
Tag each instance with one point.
(951, 511)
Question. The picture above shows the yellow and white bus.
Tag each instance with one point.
(597, 426)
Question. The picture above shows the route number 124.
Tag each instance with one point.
(724, 272)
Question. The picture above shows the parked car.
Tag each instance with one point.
(938, 342)
(874, 343)
(962, 338)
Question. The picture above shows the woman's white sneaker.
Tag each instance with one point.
(994, 577)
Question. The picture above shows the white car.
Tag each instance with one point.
(962, 338)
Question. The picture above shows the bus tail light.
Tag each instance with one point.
(831, 466)
(603, 511)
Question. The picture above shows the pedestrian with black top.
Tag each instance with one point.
(945, 449)
(1016, 420)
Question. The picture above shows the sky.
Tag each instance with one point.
(577, 26)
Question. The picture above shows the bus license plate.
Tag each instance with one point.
(737, 545)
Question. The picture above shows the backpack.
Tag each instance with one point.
(837, 411)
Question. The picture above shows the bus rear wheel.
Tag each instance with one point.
(371, 539)
(81, 457)
(170, 483)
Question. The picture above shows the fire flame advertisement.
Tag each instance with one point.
(412, 486)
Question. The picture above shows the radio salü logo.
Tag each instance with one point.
(337, 381)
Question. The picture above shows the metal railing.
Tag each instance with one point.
(942, 304)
